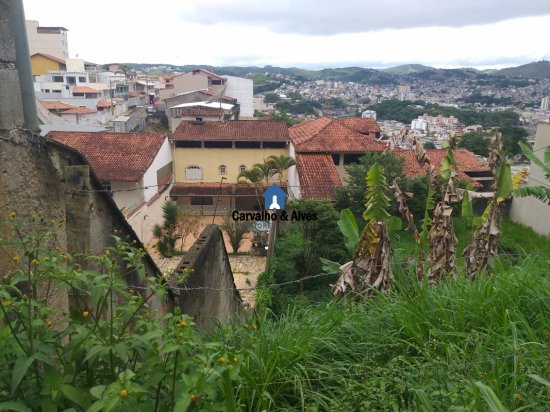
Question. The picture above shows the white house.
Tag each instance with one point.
(135, 167)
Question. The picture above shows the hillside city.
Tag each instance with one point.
(196, 237)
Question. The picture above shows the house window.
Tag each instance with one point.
(57, 79)
(223, 169)
(247, 145)
(82, 79)
(202, 200)
(352, 158)
(274, 145)
(193, 172)
(71, 79)
(242, 168)
(107, 186)
(188, 143)
(198, 119)
(216, 82)
(336, 158)
(218, 144)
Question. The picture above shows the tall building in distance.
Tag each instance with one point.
(545, 103)
(47, 40)
(369, 114)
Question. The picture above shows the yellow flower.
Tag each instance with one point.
(183, 323)
(194, 397)
(13, 214)
(35, 262)
(50, 323)
(235, 360)
(7, 302)
(46, 258)
(123, 393)
(85, 313)
(222, 360)
(65, 258)
(230, 367)
(254, 326)
(16, 259)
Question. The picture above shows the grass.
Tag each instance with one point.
(421, 348)
(480, 345)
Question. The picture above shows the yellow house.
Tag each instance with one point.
(42, 63)
(209, 156)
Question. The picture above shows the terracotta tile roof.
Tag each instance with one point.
(49, 56)
(103, 103)
(201, 111)
(466, 162)
(325, 135)
(84, 89)
(57, 105)
(252, 130)
(361, 125)
(114, 156)
(318, 176)
(78, 110)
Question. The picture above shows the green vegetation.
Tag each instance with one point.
(271, 98)
(112, 351)
(353, 195)
(464, 345)
(478, 142)
(405, 111)
(299, 107)
(418, 347)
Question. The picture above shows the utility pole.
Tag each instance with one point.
(217, 199)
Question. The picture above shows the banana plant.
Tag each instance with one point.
(481, 251)
(442, 239)
(370, 268)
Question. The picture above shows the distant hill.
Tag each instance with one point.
(535, 70)
(391, 75)
(408, 69)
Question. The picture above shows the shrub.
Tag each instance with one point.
(102, 355)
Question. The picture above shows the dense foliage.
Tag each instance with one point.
(353, 195)
(478, 142)
(464, 345)
(405, 111)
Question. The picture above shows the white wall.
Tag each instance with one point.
(144, 218)
(241, 89)
(163, 157)
(126, 198)
(528, 210)
(55, 44)
(292, 173)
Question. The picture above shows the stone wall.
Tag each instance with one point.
(207, 265)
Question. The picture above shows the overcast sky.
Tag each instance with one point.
(303, 33)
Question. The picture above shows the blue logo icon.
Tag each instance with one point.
(274, 198)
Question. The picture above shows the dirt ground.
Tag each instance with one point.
(245, 268)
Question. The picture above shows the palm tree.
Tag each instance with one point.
(280, 164)
(254, 176)
(265, 170)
